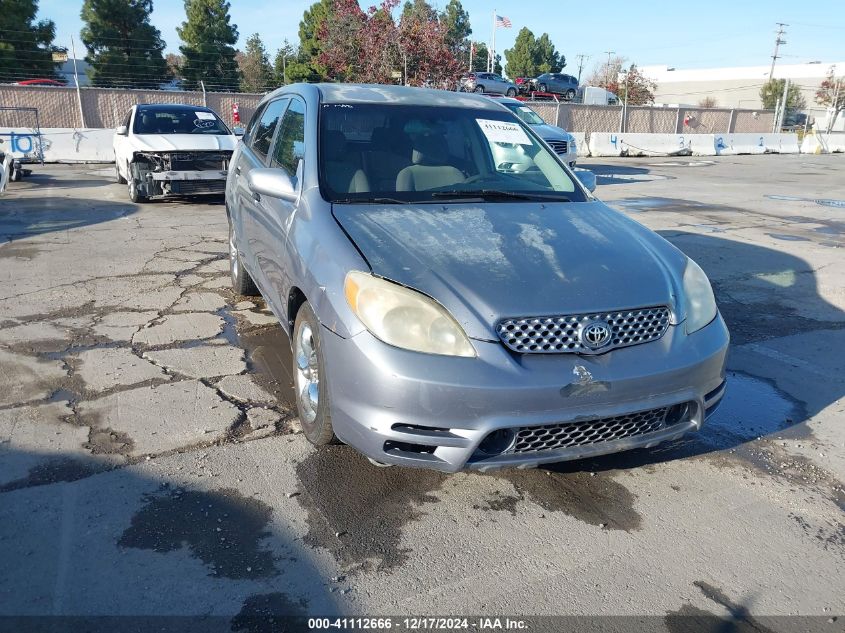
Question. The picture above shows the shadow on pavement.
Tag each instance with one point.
(135, 542)
(30, 216)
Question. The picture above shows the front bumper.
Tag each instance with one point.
(188, 182)
(411, 409)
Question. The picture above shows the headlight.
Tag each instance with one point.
(404, 318)
(699, 302)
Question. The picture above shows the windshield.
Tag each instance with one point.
(398, 153)
(525, 113)
(178, 121)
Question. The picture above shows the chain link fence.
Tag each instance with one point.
(107, 108)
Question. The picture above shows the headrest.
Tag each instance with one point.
(429, 150)
(334, 145)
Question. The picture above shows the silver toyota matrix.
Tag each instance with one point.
(454, 295)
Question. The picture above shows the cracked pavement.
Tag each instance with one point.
(150, 461)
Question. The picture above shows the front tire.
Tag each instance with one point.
(117, 177)
(242, 282)
(312, 394)
(135, 194)
(511, 92)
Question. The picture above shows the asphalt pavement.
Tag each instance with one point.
(151, 462)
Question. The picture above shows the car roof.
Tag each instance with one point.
(170, 107)
(400, 95)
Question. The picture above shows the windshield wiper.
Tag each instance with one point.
(370, 201)
(494, 194)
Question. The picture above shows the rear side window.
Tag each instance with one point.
(262, 136)
(290, 142)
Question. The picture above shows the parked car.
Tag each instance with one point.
(450, 311)
(39, 82)
(169, 150)
(556, 83)
(488, 82)
(561, 141)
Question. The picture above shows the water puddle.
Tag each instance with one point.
(667, 204)
(824, 202)
(356, 510)
(787, 238)
(270, 362)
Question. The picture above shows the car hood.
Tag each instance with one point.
(551, 132)
(488, 262)
(183, 142)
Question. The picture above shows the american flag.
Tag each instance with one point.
(503, 22)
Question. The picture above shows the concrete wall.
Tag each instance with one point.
(60, 145)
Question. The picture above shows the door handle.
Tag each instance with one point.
(237, 170)
(256, 196)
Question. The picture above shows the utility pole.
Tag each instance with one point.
(581, 59)
(607, 69)
(778, 42)
(76, 81)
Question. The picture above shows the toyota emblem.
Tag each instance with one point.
(595, 335)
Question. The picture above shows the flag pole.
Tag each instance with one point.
(492, 55)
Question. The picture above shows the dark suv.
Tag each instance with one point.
(557, 83)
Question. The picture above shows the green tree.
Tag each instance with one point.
(26, 46)
(772, 90)
(208, 45)
(418, 9)
(635, 88)
(831, 93)
(482, 56)
(532, 56)
(456, 22)
(286, 56)
(256, 71)
(548, 59)
(124, 49)
(306, 67)
(522, 58)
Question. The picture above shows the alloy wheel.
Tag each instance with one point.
(307, 373)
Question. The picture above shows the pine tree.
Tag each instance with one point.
(522, 58)
(482, 56)
(285, 57)
(124, 49)
(256, 71)
(208, 45)
(548, 59)
(306, 67)
(532, 56)
(26, 46)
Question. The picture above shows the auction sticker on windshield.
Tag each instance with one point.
(205, 116)
(503, 132)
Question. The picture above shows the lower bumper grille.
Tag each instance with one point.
(564, 435)
(189, 187)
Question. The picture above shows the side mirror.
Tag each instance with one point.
(238, 131)
(272, 182)
(122, 130)
(587, 178)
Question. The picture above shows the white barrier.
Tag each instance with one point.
(61, 145)
(823, 143)
(734, 144)
(581, 143)
(638, 144)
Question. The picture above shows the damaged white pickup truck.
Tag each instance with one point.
(164, 150)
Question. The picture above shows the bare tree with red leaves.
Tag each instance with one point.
(369, 47)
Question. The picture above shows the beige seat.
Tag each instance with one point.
(342, 171)
(429, 168)
(389, 152)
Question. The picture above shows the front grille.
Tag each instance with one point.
(559, 147)
(199, 161)
(553, 436)
(562, 334)
(188, 187)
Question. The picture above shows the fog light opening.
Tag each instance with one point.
(406, 447)
(497, 442)
(677, 413)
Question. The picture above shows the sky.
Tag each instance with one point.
(679, 34)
